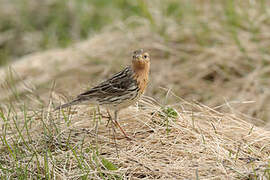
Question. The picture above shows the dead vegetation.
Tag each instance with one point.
(182, 141)
(216, 58)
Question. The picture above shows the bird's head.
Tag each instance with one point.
(141, 59)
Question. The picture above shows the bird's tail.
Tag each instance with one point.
(74, 102)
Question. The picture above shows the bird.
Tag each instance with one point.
(121, 90)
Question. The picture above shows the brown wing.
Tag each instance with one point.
(118, 86)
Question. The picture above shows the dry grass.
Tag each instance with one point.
(200, 142)
(192, 141)
(214, 56)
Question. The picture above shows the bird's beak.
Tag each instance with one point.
(137, 55)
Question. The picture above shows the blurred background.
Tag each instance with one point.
(28, 26)
(213, 52)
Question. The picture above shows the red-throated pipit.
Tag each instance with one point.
(121, 90)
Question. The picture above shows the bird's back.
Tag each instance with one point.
(117, 92)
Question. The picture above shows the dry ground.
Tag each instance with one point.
(202, 144)
(218, 129)
(188, 141)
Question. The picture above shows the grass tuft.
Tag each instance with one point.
(215, 56)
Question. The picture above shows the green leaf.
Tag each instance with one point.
(108, 165)
(171, 113)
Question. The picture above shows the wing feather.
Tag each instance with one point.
(118, 85)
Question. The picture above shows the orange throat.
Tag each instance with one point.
(141, 71)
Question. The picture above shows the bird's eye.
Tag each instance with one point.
(145, 56)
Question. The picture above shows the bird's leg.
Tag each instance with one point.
(104, 116)
(115, 122)
(109, 118)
